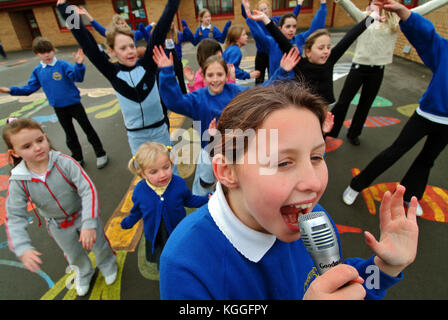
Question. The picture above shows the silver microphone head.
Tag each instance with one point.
(320, 240)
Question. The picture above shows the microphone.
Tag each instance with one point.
(320, 240)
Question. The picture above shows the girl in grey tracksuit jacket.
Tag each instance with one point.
(67, 200)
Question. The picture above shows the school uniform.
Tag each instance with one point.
(161, 210)
(57, 80)
(213, 255)
(430, 119)
(211, 31)
(233, 55)
(67, 199)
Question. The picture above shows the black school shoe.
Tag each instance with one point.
(354, 141)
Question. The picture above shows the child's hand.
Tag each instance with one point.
(79, 56)
(5, 90)
(397, 247)
(160, 57)
(232, 74)
(290, 60)
(254, 74)
(328, 123)
(88, 238)
(341, 282)
(30, 259)
(212, 127)
(189, 75)
(59, 2)
(256, 15)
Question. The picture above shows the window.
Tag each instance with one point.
(289, 4)
(62, 23)
(216, 7)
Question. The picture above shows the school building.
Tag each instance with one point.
(23, 20)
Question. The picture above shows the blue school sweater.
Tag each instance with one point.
(233, 55)
(200, 262)
(267, 43)
(433, 50)
(57, 82)
(151, 207)
(276, 20)
(202, 34)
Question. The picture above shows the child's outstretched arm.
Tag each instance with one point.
(169, 89)
(86, 41)
(159, 33)
(397, 246)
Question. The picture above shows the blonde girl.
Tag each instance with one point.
(159, 198)
(64, 195)
(245, 244)
(237, 38)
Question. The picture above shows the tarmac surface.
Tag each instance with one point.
(404, 83)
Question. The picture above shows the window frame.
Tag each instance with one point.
(219, 15)
(280, 12)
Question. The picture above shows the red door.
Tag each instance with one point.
(133, 11)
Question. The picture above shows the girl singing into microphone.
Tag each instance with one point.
(245, 244)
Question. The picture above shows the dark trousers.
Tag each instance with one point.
(159, 244)
(261, 64)
(416, 178)
(2, 51)
(76, 111)
(370, 79)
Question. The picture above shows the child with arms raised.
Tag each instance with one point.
(206, 104)
(133, 78)
(159, 198)
(65, 197)
(246, 243)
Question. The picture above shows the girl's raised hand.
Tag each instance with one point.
(59, 2)
(328, 123)
(5, 90)
(160, 57)
(79, 56)
(290, 60)
(397, 247)
(189, 75)
(232, 75)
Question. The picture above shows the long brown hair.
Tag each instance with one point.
(14, 127)
(233, 35)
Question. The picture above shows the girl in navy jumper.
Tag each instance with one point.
(205, 104)
(159, 198)
(133, 78)
(245, 244)
(430, 119)
(57, 78)
(237, 38)
(207, 29)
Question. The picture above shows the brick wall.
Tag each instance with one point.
(439, 18)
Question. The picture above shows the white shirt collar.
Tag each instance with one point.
(51, 64)
(206, 27)
(250, 243)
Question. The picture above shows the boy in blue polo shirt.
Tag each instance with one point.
(57, 78)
